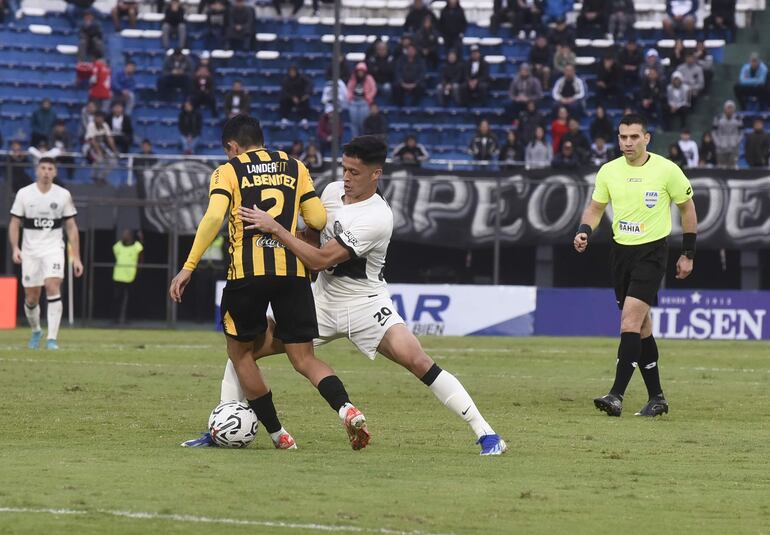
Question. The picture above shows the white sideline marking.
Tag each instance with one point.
(211, 520)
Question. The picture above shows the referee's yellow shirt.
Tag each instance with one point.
(641, 197)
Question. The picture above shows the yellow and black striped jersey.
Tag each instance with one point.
(282, 187)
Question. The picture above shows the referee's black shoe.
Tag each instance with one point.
(655, 407)
(611, 404)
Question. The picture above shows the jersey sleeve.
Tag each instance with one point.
(139, 246)
(601, 191)
(677, 185)
(69, 209)
(311, 207)
(17, 209)
(223, 181)
(362, 236)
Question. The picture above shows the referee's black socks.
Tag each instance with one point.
(648, 365)
(629, 352)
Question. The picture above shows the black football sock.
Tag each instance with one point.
(333, 391)
(629, 351)
(265, 410)
(648, 365)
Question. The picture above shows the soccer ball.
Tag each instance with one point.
(233, 424)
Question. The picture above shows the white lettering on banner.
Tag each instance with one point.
(539, 200)
(488, 197)
(428, 211)
(714, 324)
(745, 206)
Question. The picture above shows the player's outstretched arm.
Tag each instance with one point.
(590, 220)
(73, 237)
(684, 265)
(14, 226)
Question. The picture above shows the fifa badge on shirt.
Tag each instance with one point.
(650, 199)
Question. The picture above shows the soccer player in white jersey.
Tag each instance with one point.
(351, 295)
(43, 208)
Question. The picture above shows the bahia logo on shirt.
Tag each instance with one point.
(630, 227)
(650, 199)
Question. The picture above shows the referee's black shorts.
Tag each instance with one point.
(244, 308)
(637, 270)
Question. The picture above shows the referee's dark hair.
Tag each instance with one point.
(634, 118)
(371, 150)
(244, 130)
(46, 159)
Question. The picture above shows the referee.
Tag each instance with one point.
(640, 185)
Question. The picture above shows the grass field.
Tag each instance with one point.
(89, 442)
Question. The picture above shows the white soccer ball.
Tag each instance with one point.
(233, 424)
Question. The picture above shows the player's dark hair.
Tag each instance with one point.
(244, 130)
(46, 159)
(369, 149)
(634, 118)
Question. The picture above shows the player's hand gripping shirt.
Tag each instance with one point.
(641, 197)
(42, 216)
(364, 229)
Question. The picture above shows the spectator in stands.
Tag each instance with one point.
(651, 62)
(410, 152)
(653, 95)
(524, 88)
(42, 151)
(61, 139)
(541, 59)
(473, 91)
(345, 71)
(681, 17)
(705, 60)
(76, 9)
(100, 148)
(580, 143)
(526, 16)
(312, 159)
(757, 149)
(237, 100)
(678, 100)
(451, 77)
(43, 120)
(570, 91)
(124, 86)
(601, 152)
(561, 34)
(327, 96)
(121, 127)
(559, 127)
(453, 25)
(295, 96)
(417, 13)
(692, 76)
(100, 90)
(177, 72)
(296, 5)
(217, 18)
(557, 9)
(242, 25)
(538, 154)
(325, 130)
(630, 58)
(91, 41)
(426, 40)
(145, 160)
(203, 90)
(512, 152)
(727, 131)
(601, 127)
(609, 82)
(676, 156)
(190, 125)
(484, 145)
(593, 18)
(678, 55)
(174, 24)
(125, 9)
(621, 19)
(721, 22)
(18, 161)
(752, 81)
(376, 124)
(707, 151)
(403, 46)
(689, 148)
(380, 66)
(564, 56)
(409, 78)
(566, 159)
(502, 12)
(297, 148)
(361, 91)
(86, 117)
(530, 119)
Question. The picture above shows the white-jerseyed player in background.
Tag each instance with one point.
(351, 295)
(43, 208)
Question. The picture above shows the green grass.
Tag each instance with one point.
(94, 428)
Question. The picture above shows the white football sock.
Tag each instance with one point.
(33, 316)
(453, 395)
(55, 308)
(231, 387)
(275, 436)
(344, 411)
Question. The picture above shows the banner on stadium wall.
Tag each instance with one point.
(680, 314)
(459, 208)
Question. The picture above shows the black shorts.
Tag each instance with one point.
(244, 308)
(637, 270)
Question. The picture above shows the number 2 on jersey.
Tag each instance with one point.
(274, 193)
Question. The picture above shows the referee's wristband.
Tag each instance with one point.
(585, 229)
(688, 244)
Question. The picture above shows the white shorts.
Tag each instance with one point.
(35, 269)
(363, 323)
